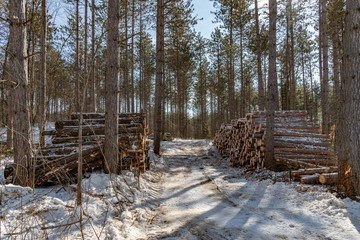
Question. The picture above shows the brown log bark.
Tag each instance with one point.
(329, 178)
(160, 21)
(42, 85)
(112, 88)
(310, 179)
(347, 131)
(296, 174)
(18, 75)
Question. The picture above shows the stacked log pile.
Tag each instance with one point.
(298, 144)
(57, 163)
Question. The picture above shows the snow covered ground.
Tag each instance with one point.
(190, 193)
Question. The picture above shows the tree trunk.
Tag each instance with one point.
(292, 61)
(286, 91)
(42, 85)
(348, 129)
(132, 56)
(10, 118)
(271, 98)
(86, 77)
(304, 81)
(231, 72)
(336, 70)
(219, 100)
(92, 84)
(259, 69)
(112, 89)
(242, 78)
(18, 74)
(325, 80)
(159, 73)
(313, 117)
(77, 67)
(126, 64)
(3, 113)
(141, 61)
(162, 131)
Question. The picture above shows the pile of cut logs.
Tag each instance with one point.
(298, 145)
(57, 163)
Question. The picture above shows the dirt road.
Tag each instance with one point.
(191, 206)
(202, 200)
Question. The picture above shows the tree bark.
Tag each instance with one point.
(336, 68)
(112, 89)
(348, 129)
(92, 84)
(271, 98)
(313, 116)
(159, 73)
(231, 83)
(304, 81)
(10, 118)
(132, 90)
(18, 74)
(126, 62)
(292, 60)
(3, 113)
(242, 78)
(258, 54)
(42, 85)
(86, 77)
(325, 80)
(77, 67)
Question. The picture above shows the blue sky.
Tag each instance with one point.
(203, 8)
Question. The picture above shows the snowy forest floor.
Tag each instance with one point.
(191, 192)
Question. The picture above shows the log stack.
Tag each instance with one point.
(298, 144)
(57, 163)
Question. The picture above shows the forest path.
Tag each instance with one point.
(202, 197)
(191, 206)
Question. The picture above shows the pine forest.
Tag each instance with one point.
(131, 113)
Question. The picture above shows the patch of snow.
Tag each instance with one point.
(112, 207)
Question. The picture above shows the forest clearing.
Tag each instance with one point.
(179, 119)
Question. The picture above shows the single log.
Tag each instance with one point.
(102, 115)
(305, 157)
(309, 143)
(329, 178)
(97, 131)
(292, 126)
(310, 179)
(57, 151)
(301, 135)
(290, 145)
(48, 132)
(92, 122)
(295, 164)
(302, 151)
(8, 171)
(283, 112)
(54, 147)
(96, 138)
(315, 162)
(309, 171)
